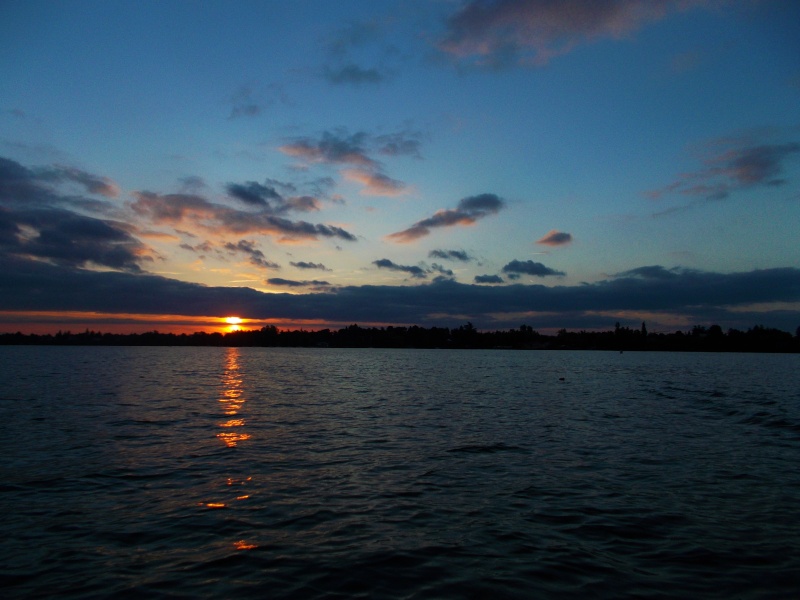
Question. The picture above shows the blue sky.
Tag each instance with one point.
(506, 162)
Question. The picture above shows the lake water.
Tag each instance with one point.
(327, 473)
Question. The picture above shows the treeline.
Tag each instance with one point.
(698, 339)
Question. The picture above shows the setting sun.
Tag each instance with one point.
(233, 320)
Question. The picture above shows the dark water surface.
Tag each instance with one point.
(297, 473)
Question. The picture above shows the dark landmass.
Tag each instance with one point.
(698, 339)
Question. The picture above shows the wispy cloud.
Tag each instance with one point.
(555, 238)
(376, 184)
(730, 165)
(468, 211)
(502, 33)
(180, 209)
(352, 74)
(93, 184)
(353, 153)
(246, 102)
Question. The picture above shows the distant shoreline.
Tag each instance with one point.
(698, 339)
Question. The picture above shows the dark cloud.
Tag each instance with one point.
(528, 267)
(413, 270)
(36, 220)
(268, 199)
(255, 255)
(39, 187)
(441, 270)
(309, 265)
(739, 164)
(555, 238)
(654, 272)
(459, 255)
(69, 239)
(702, 297)
(469, 210)
(292, 283)
(253, 194)
(502, 33)
(352, 74)
(488, 279)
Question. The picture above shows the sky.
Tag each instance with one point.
(571, 164)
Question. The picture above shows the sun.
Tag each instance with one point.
(233, 320)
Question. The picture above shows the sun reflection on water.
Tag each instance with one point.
(232, 401)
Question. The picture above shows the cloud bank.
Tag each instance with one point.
(723, 298)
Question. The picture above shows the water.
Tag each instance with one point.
(322, 473)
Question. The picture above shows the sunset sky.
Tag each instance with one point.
(166, 164)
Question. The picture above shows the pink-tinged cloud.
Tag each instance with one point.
(531, 32)
(469, 210)
(555, 238)
(375, 184)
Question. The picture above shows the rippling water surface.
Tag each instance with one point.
(299, 473)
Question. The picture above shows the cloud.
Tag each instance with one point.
(292, 283)
(399, 144)
(528, 267)
(332, 148)
(699, 296)
(269, 200)
(502, 33)
(376, 184)
(178, 209)
(488, 279)
(731, 165)
(253, 194)
(555, 238)
(459, 255)
(249, 103)
(469, 210)
(68, 239)
(352, 74)
(192, 184)
(255, 255)
(414, 271)
(93, 184)
(353, 153)
(37, 220)
(309, 265)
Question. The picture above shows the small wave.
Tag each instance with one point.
(487, 449)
